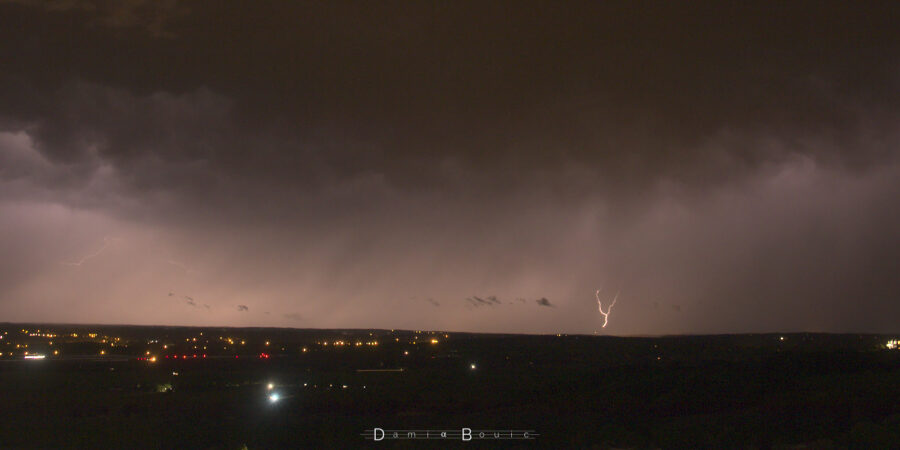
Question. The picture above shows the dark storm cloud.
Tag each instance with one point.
(478, 301)
(86, 120)
(739, 158)
(473, 302)
(588, 95)
(149, 17)
(544, 302)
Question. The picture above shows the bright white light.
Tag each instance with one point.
(271, 386)
(34, 356)
(472, 366)
(608, 310)
(273, 397)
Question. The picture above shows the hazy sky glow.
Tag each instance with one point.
(451, 165)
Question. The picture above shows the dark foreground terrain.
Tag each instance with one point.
(155, 387)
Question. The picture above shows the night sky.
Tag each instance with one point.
(469, 166)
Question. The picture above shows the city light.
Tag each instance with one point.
(472, 366)
(271, 386)
(273, 397)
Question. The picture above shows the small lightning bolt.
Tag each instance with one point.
(106, 241)
(181, 265)
(608, 310)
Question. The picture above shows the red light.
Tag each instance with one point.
(204, 356)
(195, 356)
(235, 356)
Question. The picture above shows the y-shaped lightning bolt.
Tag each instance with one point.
(608, 310)
(106, 242)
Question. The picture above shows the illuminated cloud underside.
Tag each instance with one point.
(363, 163)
